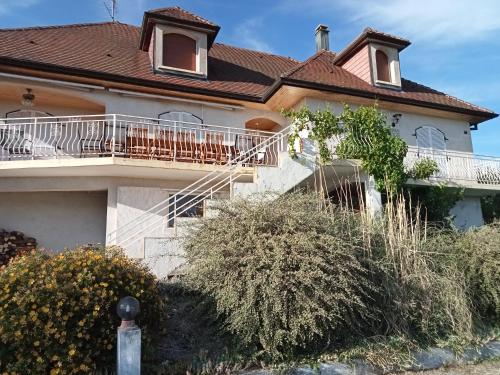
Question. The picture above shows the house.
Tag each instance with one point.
(117, 134)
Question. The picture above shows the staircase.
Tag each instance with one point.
(148, 235)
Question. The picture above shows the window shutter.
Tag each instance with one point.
(430, 137)
(179, 51)
(423, 139)
(189, 117)
(437, 139)
(382, 62)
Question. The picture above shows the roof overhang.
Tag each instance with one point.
(268, 100)
(279, 98)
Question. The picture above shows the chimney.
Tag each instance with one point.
(322, 40)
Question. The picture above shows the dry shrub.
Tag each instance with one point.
(289, 271)
(479, 257)
(425, 292)
(476, 254)
(284, 272)
(58, 313)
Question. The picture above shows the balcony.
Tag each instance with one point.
(110, 135)
(463, 168)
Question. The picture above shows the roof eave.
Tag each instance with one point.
(482, 115)
(90, 74)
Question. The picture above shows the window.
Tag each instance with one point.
(430, 137)
(382, 62)
(180, 116)
(184, 121)
(184, 206)
(179, 51)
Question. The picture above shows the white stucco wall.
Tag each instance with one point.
(454, 130)
(56, 219)
(467, 213)
(119, 103)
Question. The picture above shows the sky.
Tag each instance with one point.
(455, 44)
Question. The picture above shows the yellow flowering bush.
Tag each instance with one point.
(58, 312)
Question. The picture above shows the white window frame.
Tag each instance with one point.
(201, 50)
(394, 68)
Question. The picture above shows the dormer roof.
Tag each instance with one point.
(370, 35)
(178, 17)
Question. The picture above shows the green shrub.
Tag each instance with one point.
(423, 169)
(478, 256)
(284, 272)
(434, 202)
(490, 205)
(57, 313)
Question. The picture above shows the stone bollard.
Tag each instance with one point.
(129, 338)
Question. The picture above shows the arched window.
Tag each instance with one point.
(24, 113)
(383, 73)
(180, 116)
(179, 51)
(430, 137)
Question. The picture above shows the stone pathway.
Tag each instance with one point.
(485, 368)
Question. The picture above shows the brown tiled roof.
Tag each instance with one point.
(181, 14)
(109, 51)
(321, 72)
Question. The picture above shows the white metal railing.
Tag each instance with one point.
(129, 136)
(212, 183)
(454, 165)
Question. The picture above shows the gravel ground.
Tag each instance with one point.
(485, 368)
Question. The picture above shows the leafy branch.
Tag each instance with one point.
(361, 134)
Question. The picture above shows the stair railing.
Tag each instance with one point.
(207, 185)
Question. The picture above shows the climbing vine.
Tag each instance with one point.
(361, 134)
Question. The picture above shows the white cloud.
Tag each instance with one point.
(438, 21)
(247, 35)
(9, 6)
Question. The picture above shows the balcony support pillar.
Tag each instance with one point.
(373, 198)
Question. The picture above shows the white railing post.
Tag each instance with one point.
(175, 141)
(33, 147)
(113, 138)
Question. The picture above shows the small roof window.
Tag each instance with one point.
(383, 71)
(179, 52)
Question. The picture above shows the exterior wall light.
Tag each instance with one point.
(395, 119)
(28, 98)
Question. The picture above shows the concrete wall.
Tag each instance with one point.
(56, 219)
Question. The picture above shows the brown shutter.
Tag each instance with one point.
(179, 51)
(382, 66)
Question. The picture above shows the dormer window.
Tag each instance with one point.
(382, 61)
(179, 51)
(177, 41)
(385, 66)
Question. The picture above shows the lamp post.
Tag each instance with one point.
(129, 338)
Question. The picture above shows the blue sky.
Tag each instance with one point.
(455, 47)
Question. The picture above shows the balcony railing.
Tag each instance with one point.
(459, 166)
(131, 137)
